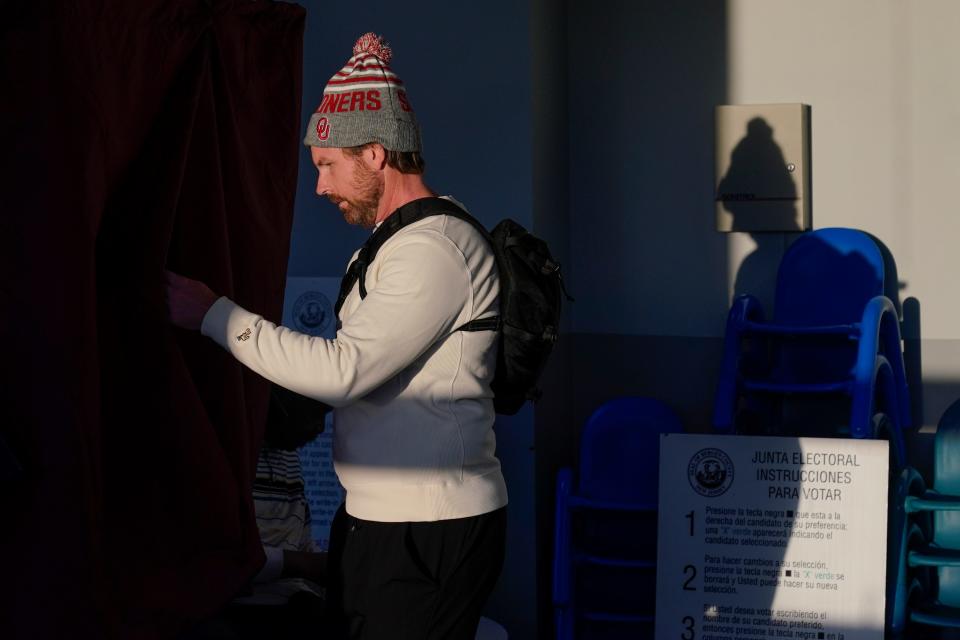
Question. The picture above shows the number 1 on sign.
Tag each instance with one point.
(689, 517)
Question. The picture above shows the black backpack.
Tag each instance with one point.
(530, 294)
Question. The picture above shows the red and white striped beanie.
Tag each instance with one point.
(365, 102)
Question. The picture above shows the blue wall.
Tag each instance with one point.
(467, 71)
(623, 173)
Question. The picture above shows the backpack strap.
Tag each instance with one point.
(408, 214)
(482, 324)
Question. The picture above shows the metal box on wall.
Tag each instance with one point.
(763, 167)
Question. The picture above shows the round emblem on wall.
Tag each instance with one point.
(312, 313)
(710, 472)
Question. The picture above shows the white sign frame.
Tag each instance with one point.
(769, 537)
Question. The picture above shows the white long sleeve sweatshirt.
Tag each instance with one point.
(413, 419)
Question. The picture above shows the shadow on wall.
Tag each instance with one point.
(758, 162)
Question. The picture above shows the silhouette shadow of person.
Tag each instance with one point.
(758, 188)
(761, 195)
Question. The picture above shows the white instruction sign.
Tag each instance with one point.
(764, 537)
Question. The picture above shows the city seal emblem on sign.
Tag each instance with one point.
(710, 472)
(312, 313)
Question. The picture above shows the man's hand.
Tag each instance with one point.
(187, 301)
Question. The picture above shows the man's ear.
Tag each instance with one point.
(375, 156)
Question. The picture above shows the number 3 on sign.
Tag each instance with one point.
(689, 633)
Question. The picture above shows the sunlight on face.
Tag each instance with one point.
(348, 183)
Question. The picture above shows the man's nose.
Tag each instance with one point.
(322, 188)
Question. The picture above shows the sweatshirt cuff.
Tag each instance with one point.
(217, 318)
(273, 568)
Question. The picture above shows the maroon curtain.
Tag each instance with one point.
(137, 136)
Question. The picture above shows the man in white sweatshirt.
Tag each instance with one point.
(420, 543)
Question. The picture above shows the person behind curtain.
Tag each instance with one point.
(295, 571)
(418, 545)
(286, 598)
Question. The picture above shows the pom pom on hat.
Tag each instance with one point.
(372, 43)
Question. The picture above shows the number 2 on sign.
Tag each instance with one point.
(692, 570)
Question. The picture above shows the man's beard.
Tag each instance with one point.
(361, 210)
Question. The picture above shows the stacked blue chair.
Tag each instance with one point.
(934, 600)
(606, 523)
(833, 334)
(908, 531)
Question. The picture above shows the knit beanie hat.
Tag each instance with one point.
(365, 102)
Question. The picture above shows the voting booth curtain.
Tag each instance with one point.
(137, 137)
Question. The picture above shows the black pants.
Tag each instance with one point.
(413, 580)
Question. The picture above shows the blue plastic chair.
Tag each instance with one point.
(937, 602)
(909, 530)
(833, 333)
(604, 573)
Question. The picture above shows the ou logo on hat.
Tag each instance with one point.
(323, 129)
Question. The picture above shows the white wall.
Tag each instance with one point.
(881, 77)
